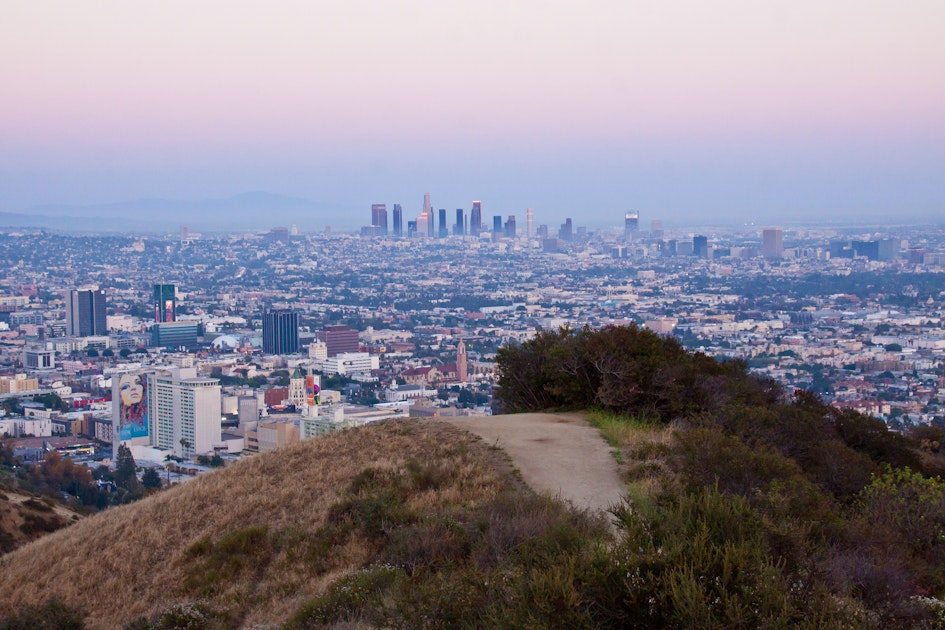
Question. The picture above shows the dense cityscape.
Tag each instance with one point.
(290, 335)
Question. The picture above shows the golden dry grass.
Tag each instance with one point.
(24, 518)
(138, 560)
(641, 449)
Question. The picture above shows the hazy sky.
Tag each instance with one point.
(761, 110)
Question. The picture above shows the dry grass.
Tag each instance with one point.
(640, 447)
(245, 540)
(24, 518)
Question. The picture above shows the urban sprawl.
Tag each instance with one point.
(191, 347)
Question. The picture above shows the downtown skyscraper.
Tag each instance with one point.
(475, 219)
(398, 220)
(165, 303)
(379, 218)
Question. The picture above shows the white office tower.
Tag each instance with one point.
(530, 223)
(184, 411)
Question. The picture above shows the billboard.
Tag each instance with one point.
(132, 400)
(312, 391)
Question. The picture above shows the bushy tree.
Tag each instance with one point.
(624, 369)
(126, 471)
(150, 479)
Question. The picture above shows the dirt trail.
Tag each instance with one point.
(556, 452)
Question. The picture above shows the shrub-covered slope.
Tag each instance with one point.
(844, 517)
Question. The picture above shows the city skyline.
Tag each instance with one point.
(766, 112)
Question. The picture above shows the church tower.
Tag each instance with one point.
(461, 373)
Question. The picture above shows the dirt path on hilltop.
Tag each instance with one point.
(556, 452)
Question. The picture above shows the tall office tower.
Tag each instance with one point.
(427, 206)
(566, 233)
(398, 220)
(496, 227)
(510, 227)
(530, 222)
(423, 224)
(700, 246)
(85, 313)
(542, 231)
(280, 332)
(340, 339)
(165, 304)
(183, 411)
(475, 219)
(431, 224)
(412, 230)
(444, 230)
(184, 232)
(459, 228)
(631, 223)
(773, 242)
(461, 370)
(656, 228)
(379, 218)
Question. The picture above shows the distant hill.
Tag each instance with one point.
(247, 211)
(24, 518)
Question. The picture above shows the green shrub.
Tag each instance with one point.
(701, 559)
(353, 597)
(430, 544)
(213, 566)
(187, 616)
(707, 458)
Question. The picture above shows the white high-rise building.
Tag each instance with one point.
(183, 411)
(530, 223)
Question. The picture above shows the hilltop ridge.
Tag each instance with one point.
(250, 542)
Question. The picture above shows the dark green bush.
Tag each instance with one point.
(214, 565)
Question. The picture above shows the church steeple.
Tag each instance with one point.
(461, 373)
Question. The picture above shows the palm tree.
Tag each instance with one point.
(184, 445)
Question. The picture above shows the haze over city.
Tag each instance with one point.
(684, 111)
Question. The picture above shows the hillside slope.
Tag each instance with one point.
(253, 542)
(24, 518)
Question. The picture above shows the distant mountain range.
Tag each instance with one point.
(246, 211)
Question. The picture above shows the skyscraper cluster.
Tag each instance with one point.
(435, 224)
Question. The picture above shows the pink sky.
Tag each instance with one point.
(116, 90)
